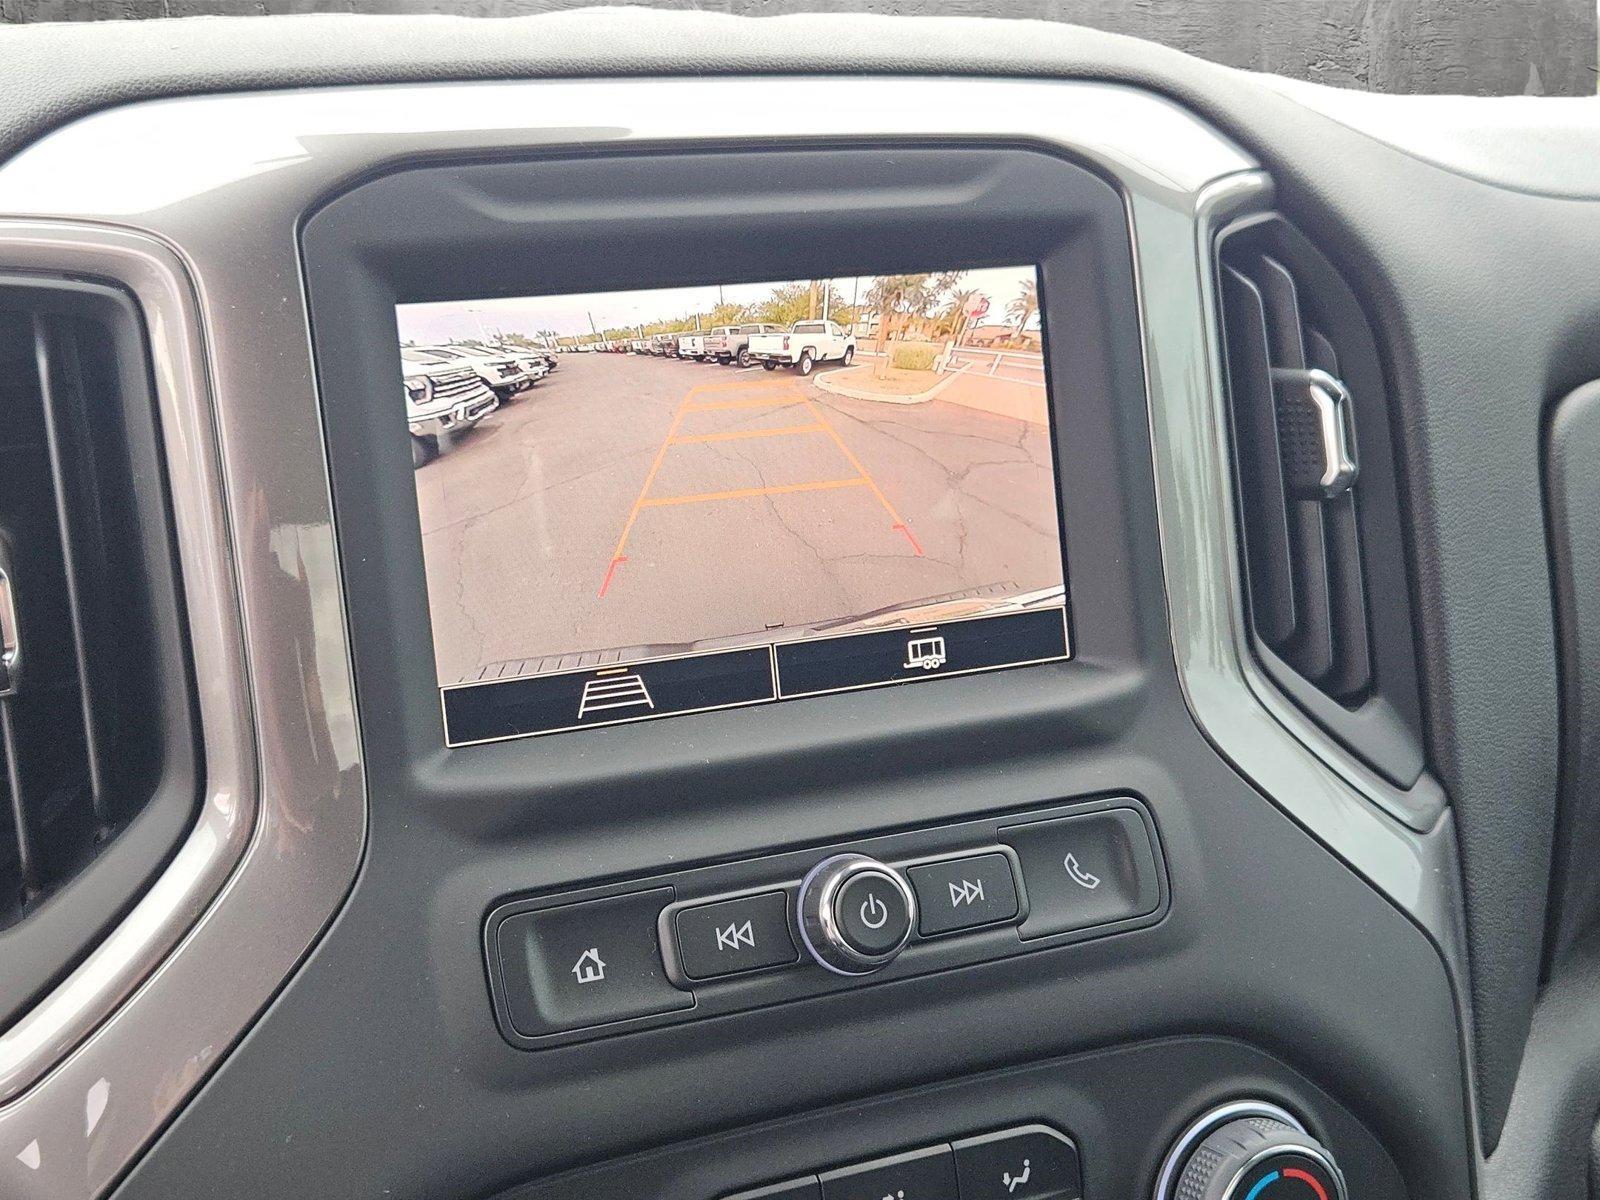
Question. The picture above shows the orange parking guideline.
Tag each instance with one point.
(738, 385)
(780, 401)
(734, 435)
(617, 557)
(781, 489)
(899, 522)
(789, 396)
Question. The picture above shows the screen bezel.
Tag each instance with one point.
(432, 232)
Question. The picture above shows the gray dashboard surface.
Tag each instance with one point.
(54, 72)
(1481, 296)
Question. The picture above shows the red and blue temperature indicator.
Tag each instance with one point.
(1288, 1183)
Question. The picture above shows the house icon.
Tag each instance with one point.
(589, 968)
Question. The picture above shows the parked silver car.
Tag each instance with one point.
(444, 399)
(500, 371)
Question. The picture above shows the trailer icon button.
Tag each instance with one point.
(928, 653)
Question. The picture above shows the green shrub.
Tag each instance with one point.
(914, 358)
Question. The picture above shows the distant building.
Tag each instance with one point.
(990, 335)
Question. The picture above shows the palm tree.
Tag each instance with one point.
(955, 312)
(896, 296)
(1025, 305)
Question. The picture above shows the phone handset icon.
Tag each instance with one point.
(1079, 876)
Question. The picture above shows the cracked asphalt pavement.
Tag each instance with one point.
(771, 505)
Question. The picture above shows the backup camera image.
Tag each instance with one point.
(641, 503)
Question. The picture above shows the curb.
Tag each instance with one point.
(832, 383)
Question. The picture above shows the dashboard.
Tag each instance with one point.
(953, 610)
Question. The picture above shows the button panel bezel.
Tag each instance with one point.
(950, 1150)
(783, 871)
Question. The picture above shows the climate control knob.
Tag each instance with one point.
(856, 914)
(1249, 1151)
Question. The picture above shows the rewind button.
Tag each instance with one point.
(731, 937)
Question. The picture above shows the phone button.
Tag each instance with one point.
(1080, 872)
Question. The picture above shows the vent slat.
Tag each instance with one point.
(27, 864)
(57, 374)
(1351, 674)
(1255, 436)
(1310, 649)
(1351, 677)
(1283, 312)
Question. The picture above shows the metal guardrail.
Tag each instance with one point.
(1023, 360)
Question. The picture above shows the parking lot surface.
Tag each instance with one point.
(630, 502)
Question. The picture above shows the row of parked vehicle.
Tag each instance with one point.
(449, 389)
(801, 346)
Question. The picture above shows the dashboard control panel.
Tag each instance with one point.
(573, 965)
(1030, 1162)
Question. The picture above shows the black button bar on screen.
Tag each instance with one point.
(808, 668)
(578, 699)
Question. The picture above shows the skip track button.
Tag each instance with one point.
(964, 893)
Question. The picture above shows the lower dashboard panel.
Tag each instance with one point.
(1121, 1109)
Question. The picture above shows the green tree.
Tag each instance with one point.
(791, 302)
(787, 304)
(727, 314)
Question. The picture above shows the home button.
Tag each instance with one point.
(579, 965)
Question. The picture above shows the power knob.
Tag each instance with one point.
(856, 914)
(1249, 1150)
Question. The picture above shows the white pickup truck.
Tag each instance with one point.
(804, 346)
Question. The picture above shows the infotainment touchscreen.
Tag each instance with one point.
(638, 504)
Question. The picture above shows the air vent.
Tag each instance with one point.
(99, 769)
(1326, 581)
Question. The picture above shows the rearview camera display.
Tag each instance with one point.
(640, 504)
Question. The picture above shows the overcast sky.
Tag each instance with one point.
(569, 315)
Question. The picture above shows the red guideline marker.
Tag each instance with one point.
(612, 570)
(910, 537)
